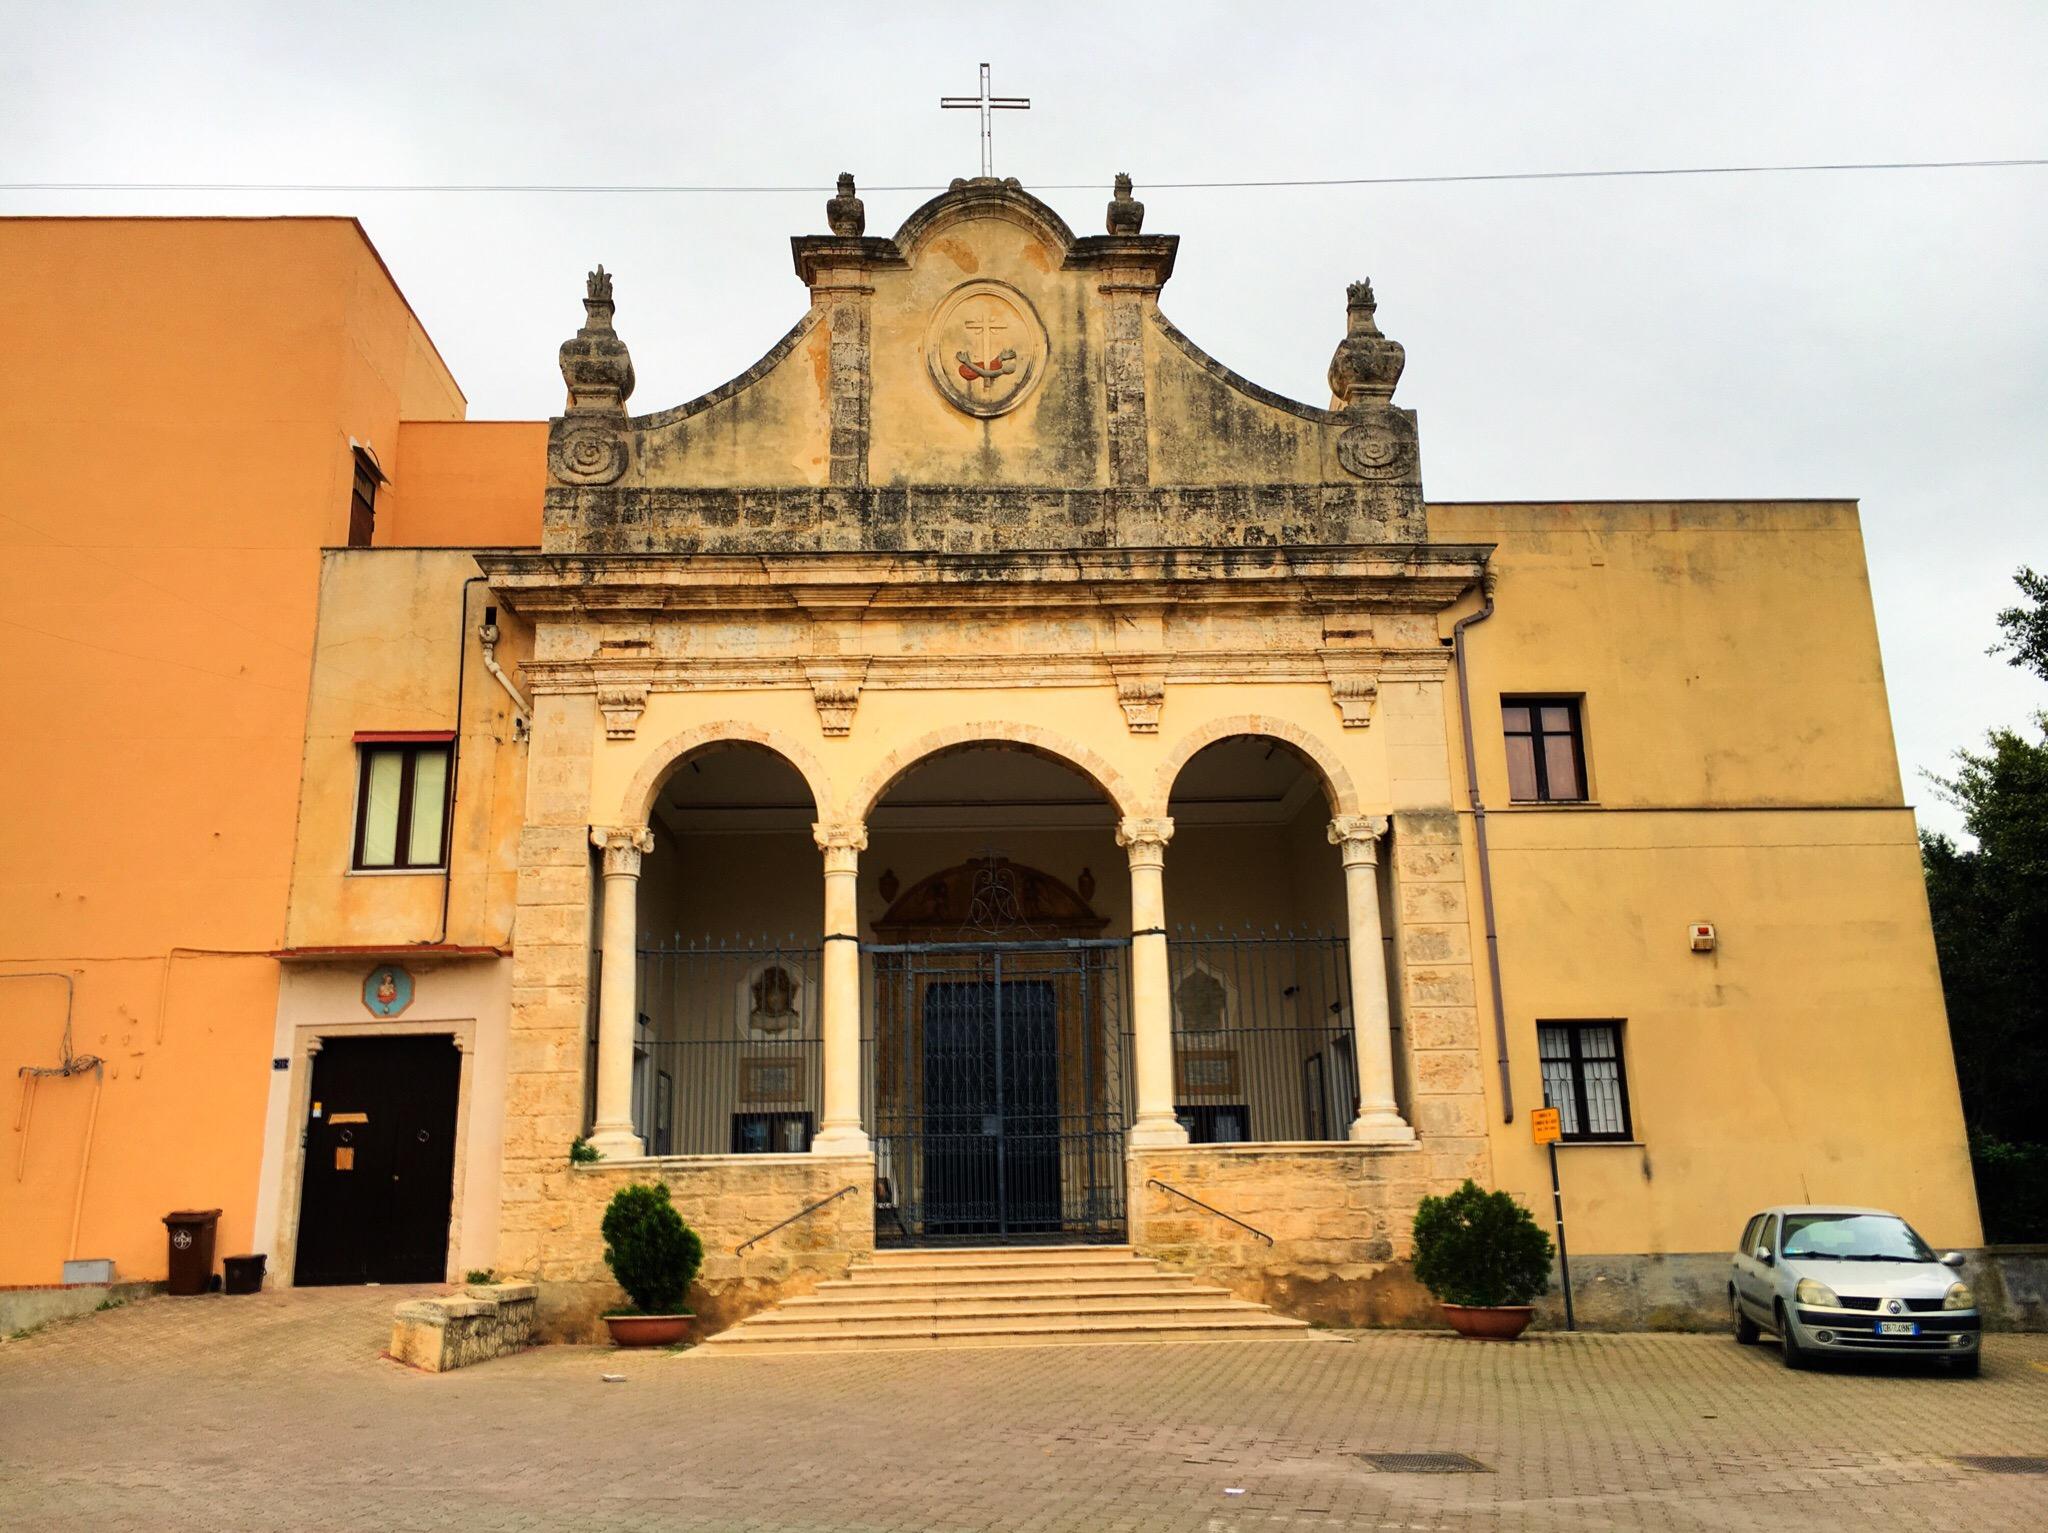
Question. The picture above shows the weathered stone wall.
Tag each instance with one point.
(1340, 1217)
(726, 1199)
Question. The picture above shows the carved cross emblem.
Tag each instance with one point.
(985, 347)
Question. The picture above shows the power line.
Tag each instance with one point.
(668, 189)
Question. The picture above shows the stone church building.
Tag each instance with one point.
(990, 776)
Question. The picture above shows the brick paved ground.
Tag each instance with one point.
(274, 1412)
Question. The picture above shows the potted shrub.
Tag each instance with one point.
(1484, 1257)
(655, 1257)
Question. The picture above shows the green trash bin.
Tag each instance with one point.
(191, 1238)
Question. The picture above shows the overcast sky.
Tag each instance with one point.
(1877, 335)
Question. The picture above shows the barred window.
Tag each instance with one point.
(1583, 1078)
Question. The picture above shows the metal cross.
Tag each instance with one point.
(986, 104)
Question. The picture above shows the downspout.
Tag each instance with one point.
(455, 749)
(1500, 1016)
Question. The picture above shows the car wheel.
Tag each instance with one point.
(1746, 1331)
(1796, 1356)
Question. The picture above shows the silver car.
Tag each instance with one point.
(1839, 1282)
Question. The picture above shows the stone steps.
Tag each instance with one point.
(999, 1297)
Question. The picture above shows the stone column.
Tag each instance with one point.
(1372, 1032)
(841, 1132)
(618, 992)
(1144, 842)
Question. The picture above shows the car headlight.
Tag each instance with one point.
(1818, 1294)
(1959, 1297)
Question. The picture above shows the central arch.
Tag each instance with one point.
(1043, 742)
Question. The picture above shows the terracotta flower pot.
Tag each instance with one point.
(1489, 1322)
(649, 1330)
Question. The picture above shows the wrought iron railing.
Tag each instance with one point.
(1262, 1035)
(729, 1057)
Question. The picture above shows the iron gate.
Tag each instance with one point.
(998, 1091)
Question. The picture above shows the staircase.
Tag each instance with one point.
(1044, 1296)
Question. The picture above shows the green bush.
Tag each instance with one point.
(653, 1254)
(583, 1153)
(1480, 1248)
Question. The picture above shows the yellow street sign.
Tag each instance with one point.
(1544, 1127)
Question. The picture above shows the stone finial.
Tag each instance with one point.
(1126, 213)
(1367, 365)
(595, 364)
(846, 214)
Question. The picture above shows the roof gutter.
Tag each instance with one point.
(1500, 1016)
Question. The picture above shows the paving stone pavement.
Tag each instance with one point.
(275, 1412)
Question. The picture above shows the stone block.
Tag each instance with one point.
(1432, 902)
(485, 1322)
(1448, 943)
(1446, 1071)
(1439, 985)
(1441, 1027)
(1428, 864)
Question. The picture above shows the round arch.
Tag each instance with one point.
(636, 804)
(1068, 753)
(1338, 787)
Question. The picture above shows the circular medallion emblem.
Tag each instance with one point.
(985, 348)
(1372, 454)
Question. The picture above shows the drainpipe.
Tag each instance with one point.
(1500, 1017)
(455, 748)
(522, 721)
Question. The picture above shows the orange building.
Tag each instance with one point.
(192, 409)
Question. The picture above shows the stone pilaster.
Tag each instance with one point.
(1440, 1015)
(551, 976)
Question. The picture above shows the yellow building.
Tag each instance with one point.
(991, 775)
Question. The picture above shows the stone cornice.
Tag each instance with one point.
(1410, 577)
(914, 671)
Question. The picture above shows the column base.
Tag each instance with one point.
(1382, 1127)
(1156, 1134)
(842, 1139)
(617, 1144)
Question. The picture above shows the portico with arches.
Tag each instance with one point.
(948, 826)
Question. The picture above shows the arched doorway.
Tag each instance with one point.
(728, 1044)
(1258, 958)
(997, 1011)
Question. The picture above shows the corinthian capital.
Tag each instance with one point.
(623, 846)
(1144, 838)
(841, 843)
(1359, 836)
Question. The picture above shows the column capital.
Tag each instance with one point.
(842, 843)
(623, 846)
(1359, 836)
(1144, 838)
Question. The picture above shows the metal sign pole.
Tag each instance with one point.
(1564, 1260)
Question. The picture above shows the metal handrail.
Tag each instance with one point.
(1219, 1213)
(810, 1208)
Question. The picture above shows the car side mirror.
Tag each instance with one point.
(1763, 1254)
(1953, 1259)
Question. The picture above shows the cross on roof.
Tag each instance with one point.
(986, 104)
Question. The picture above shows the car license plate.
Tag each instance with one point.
(1898, 1328)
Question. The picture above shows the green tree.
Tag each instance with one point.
(1990, 909)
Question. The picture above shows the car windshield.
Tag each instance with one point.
(1852, 1238)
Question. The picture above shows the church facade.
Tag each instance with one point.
(991, 775)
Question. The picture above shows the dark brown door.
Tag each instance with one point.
(380, 1161)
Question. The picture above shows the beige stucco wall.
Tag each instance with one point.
(397, 634)
(1740, 756)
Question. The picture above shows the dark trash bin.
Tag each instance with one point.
(191, 1236)
(245, 1273)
